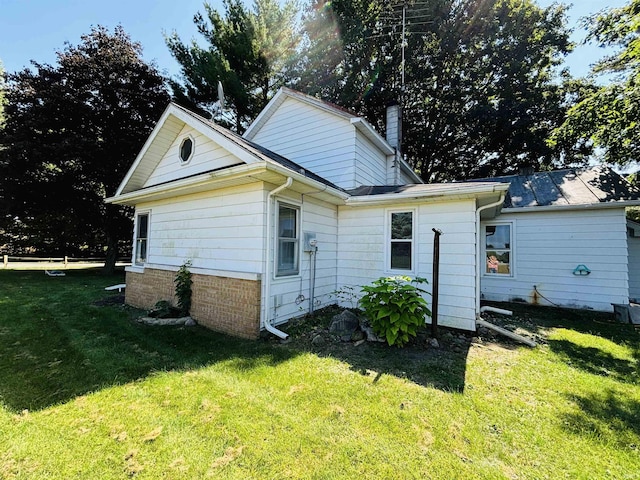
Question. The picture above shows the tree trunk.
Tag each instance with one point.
(112, 256)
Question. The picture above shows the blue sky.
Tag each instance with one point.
(36, 29)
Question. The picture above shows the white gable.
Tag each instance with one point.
(326, 140)
(315, 139)
(158, 161)
(207, 155)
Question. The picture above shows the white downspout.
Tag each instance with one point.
(479, 247)
(267, 280)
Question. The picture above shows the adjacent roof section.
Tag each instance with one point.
(598, 186)
(367, 195)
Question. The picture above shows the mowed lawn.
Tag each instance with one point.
(86, 392)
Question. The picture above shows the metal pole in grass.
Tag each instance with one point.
(436, 274)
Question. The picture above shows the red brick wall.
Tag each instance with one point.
(223, 304)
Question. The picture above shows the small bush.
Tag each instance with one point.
(395, 307)
(183, 283)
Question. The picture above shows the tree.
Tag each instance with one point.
(248, 52)
(608, 117)
(72, 131)
(481, 92)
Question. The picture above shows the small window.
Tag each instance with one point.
(186, 149)
(401, 241)
(288, 240)
(142, 237)
(498, 249)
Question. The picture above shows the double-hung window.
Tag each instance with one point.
(498, 249)
(142, 238)
(401, 248)
(287, 257)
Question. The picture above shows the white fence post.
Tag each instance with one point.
(5, 260)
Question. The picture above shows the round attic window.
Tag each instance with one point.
(186, 149)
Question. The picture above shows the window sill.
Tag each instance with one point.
(135, 269)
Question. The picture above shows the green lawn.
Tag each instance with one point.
(85, 392)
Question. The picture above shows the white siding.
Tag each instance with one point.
(634, 268)
(548, 246)
(319, 218)
(371, 163)
(363, 246)
(219, 230)
(207, 155)
(317, 140)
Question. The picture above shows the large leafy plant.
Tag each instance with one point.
(395, 307)
(183, 283)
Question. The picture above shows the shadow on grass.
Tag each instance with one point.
(539, 319)
(443, 368)
(607, 415)
(57, 345)
(595, 361)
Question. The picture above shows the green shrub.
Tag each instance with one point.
(183, 283)
(395, 307)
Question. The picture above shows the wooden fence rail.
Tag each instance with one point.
(57, 262)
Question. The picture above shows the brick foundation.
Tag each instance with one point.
(223, 304)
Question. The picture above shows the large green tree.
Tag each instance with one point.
(72, 131)
(247, 50)
(608, 116)
(482, 88)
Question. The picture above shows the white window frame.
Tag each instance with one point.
(388, 241)
(511, 249)
(137, 238)
(193, 149)
(278, 273)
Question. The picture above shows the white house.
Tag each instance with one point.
(562, 238)
(309, 201)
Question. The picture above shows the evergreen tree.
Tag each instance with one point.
(247, 51)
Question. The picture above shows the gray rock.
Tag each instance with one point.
(433, 343)
(344, 324)
(357, 336)
(164, 321)
(318, 340)
(369, 334)
(190, 322)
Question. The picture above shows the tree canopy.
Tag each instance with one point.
(608, 117)
(247, 51)
(482, 88)
(72, 131)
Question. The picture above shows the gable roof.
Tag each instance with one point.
(167, 130)
(568, 188)
(358, 122)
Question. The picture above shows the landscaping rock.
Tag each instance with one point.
(433, 343)
(165, 321)
(344, 325)
(358, 335)
(368, 332)
(318, 341)
(190, 322)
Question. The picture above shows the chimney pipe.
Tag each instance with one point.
(394, 126)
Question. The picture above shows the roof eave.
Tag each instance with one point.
(207, 181)
(444, 195)
(589, 206)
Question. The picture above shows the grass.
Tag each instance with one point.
(86, 392)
